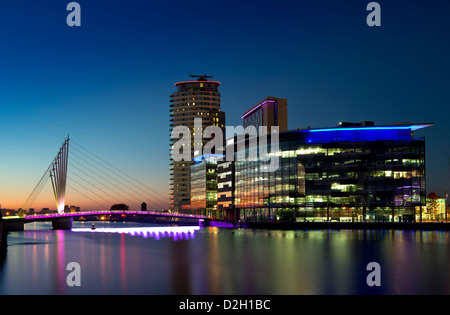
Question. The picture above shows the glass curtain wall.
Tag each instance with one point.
(343, 181)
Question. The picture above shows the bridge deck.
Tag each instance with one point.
(50, 216)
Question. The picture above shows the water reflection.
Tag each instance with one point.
(176, 232)
(334, 261)
(121, 259)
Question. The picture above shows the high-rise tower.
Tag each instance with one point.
(191, 100)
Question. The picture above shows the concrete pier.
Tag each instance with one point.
(64, 223)
(3, 236)
(10, 225)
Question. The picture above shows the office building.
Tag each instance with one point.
(271, 111)
(191, 100)
(225, 191)
(354, 172)
(204, 186)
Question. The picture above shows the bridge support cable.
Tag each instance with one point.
(57, 172)
(121, 184)
(124, 185)
(115, 187)
(119, 180)
(93, 200)
(37, 190)
(96, 188)
(116, 190)
(117, 172)
(95, 179)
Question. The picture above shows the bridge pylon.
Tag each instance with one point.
(58, 175)
(57, 172)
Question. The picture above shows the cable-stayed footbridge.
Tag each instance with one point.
(93, 178)
(100, 182)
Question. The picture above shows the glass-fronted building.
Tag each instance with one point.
(225, 191)
(354, 172)
(436, 210)
(203, 199)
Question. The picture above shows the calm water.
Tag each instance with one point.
(224, 261)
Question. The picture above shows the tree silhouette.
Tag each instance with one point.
(119, 206)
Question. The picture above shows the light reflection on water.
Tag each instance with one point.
(176, 232)
(224, 261)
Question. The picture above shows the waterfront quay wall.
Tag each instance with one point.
(13, 225)
(349, 225)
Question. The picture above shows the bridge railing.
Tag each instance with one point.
(108, 212)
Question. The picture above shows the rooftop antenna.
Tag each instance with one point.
(201, 77)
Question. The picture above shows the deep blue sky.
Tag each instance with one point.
(107, 83)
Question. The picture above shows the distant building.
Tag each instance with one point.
(143, 206)
(45, 210)
(7, 212)
(74, 209)
(271, 111)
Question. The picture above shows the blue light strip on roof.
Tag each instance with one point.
(358, 128)
(411, 127)
(358, 134)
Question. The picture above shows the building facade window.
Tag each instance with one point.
(349, 177)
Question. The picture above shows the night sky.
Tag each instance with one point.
(107, 83)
